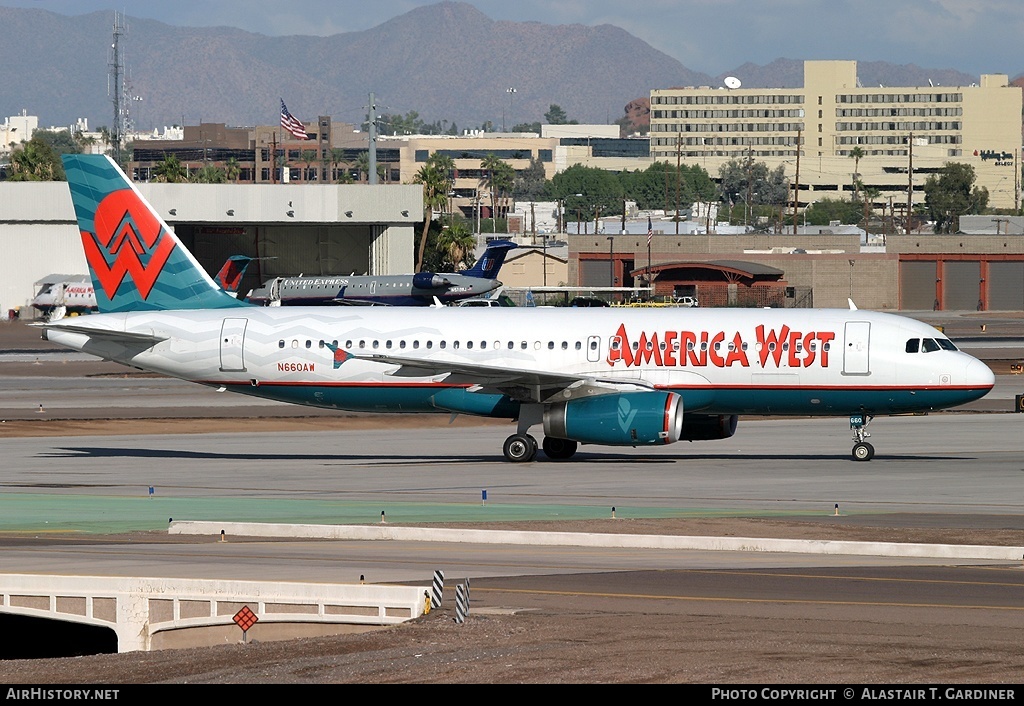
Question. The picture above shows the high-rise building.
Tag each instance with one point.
(835, 137)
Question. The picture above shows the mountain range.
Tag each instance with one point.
(447, 61)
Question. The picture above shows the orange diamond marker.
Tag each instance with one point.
(245, 618)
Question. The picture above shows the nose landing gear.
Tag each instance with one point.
(862, 450)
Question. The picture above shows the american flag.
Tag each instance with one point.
(650, 231)
(290, 123)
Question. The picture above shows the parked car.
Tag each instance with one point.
(500, 300)
(686, 301)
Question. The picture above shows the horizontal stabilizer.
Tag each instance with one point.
(105, 334)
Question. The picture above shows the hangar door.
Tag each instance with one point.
(961, 285)
(1006, 286)
(917, 285)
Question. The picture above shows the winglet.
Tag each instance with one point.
(437, 303)
(853, 307)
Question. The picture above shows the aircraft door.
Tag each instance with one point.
(232, 340)
(856, 360)
(594, 349)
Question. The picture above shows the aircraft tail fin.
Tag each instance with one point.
(229, 278)
(493, 258)
(136, 261)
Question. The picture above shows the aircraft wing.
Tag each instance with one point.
(356, 302)
(520, 384)
(106, 334)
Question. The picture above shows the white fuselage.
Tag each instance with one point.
(736, 361)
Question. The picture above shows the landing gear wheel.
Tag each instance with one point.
(520, 448)
(863, 451)
(559, 449)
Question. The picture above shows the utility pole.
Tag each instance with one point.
(750, 159)
(910, 179)
(372, 176)
(678, 158)
(273, 158)
(796, 184)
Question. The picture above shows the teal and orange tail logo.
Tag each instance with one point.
(136, 261)
(137, 243)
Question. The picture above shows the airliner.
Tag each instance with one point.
(76, 295)
(420, 289)
(601, 376)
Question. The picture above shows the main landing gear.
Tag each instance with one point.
(522, 448)
(862, 450)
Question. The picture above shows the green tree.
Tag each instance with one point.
(531, 183)
(557, 116)
(527, 127)
(170, 170)
(36, 160)
(587, 192)
(60, 141)
(743, 180)
(823, 212)
(952, 194)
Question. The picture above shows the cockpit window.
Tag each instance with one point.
(913, 345)
(946, 344)
(930, 346)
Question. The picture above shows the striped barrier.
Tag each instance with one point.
(438, 588)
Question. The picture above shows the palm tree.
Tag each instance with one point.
(445, 165)
(491, 164)
(338, 157)
(170, 170)
(856, 154)
(362, 166)
(456, 242)
(870, 194)
(307, 157)
(435, 195)
(232, 170)
(210, 174)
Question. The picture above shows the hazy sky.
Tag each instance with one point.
(713, 36)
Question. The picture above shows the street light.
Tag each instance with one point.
(611, 261)
(510, 92)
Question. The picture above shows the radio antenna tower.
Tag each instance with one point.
(115, 86)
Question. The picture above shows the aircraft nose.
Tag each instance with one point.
(979, 375)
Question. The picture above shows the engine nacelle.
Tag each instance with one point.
(624, 419)
(706, 427)
(428, 280)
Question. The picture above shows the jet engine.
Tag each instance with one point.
(428, 280)
(623, 419)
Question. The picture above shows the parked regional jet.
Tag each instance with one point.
(607, 376)
(420, 289)
(74, 294)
